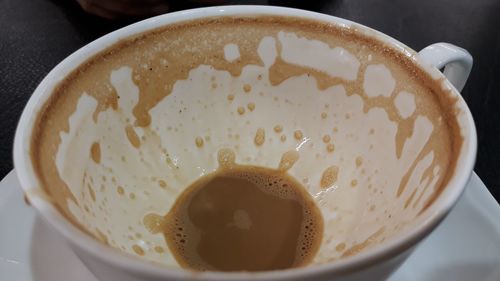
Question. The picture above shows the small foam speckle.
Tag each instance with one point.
(247, 88)
(120, 190)
(298, 134)
(241, 110)
(326, 138)
(199, 142)
(138, 250)
(330, 147)
(251, 106)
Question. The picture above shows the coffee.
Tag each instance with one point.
(242, 218)
(369, 135)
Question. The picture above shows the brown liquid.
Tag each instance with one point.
(242, 218)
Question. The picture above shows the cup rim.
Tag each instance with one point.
(28, 179)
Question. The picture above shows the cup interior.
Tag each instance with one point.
(360, 125)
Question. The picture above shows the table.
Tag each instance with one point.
(37, 34)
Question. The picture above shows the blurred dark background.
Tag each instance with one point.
(37, 34)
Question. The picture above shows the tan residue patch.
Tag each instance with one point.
(278, 128)
(324, 115)
(159, 249)
(230, 97)
(283, 138)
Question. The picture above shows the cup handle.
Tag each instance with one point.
(457, 62)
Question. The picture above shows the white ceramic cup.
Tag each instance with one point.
(373, 264)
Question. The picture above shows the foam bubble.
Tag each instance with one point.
(95, 152)
(251, 106)
(326, 138)
(260, 137)
(226, 157)
(288, 160)
(199, 142)
(330, 147)
(329, 176)
(138, 250)
(241, 110)
(298, 135)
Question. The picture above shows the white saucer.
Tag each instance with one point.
(466, 246)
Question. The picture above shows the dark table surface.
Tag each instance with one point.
(37, 34)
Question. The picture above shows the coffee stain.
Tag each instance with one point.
(410, 198)
(260, 137)
(359, 161)
(101, 236)
(91, 192)
(280, 71)
(120, 190)
(95, 152)
(298, 135)
(288, 159)
(329, 176)
(251, 106)
(241, 110)
(132, 136)
(340, 247)
(404, 132)
(372, 239)
(226, 158)
(406, 177)
(330, 147)
(138, 250)
(199, 142)
(154, 223)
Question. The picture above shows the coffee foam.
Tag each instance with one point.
(128, 130)
(273, 182)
